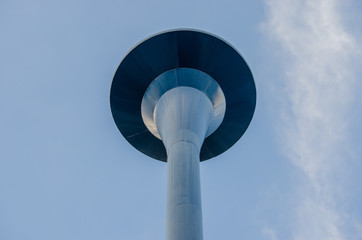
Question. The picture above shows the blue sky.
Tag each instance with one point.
(67, 173)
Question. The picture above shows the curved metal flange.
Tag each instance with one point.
(187, 77)
(182, 49)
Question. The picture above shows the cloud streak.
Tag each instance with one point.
(319, 82)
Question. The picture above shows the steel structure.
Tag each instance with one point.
(183, 96)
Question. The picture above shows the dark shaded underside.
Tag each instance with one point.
(182, 49)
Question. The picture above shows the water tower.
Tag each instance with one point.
(183, 96)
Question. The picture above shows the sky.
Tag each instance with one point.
(66, 172)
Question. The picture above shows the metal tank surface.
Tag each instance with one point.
(183, 96)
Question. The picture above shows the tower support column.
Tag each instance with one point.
(182, 116)
(184, 215)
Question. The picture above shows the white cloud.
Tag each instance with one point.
(269, 233)
(319, 88)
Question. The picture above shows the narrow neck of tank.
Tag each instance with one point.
(182, 116)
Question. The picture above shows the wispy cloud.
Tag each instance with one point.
(319, 83)
(269, 233)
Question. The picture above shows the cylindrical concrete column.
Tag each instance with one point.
(182, 116)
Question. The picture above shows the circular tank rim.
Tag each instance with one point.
(179, 48)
